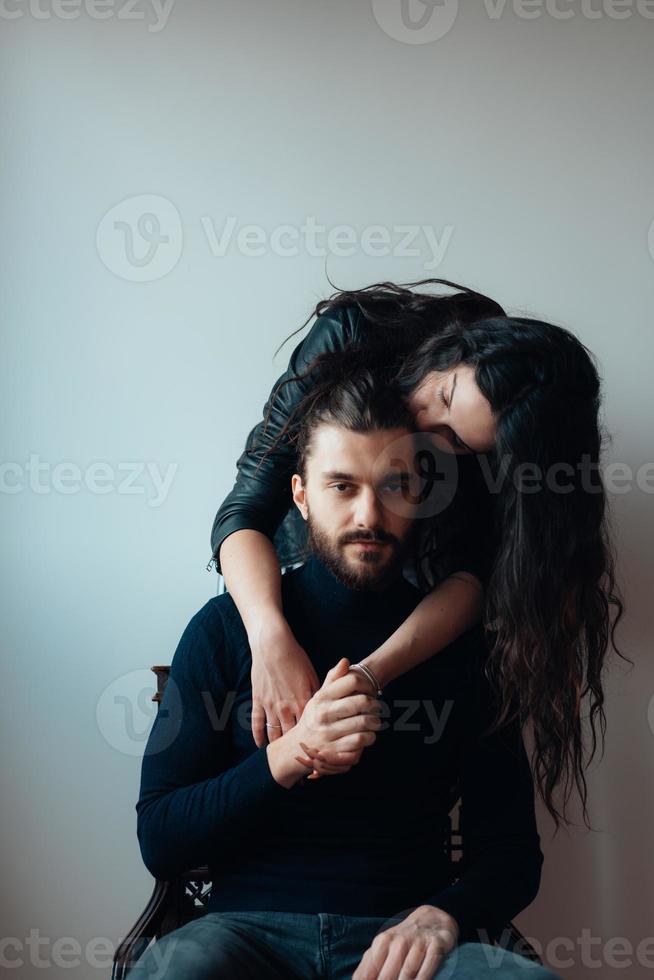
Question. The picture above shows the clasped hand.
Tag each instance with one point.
(338, 722)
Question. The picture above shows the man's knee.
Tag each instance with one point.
(205, 949)
(474, 961)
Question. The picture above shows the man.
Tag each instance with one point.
(342, 875)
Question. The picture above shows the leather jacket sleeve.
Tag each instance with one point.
(261, 498)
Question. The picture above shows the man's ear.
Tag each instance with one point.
(299, 495)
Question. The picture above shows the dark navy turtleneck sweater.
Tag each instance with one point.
(369, 841)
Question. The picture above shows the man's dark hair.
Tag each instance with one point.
(359, 400)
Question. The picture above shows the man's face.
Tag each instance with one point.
(354, 501)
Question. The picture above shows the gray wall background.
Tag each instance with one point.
(519, 135)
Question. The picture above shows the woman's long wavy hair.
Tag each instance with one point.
(552, 603)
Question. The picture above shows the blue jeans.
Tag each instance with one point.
(298, 946)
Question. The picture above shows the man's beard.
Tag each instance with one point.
(372, 570)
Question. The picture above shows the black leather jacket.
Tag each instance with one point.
(261, 498)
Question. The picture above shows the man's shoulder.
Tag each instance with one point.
(213, 634)
(220, 619)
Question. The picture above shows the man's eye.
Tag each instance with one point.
(345, 486)
(395, 487)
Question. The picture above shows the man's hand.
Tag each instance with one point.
(336, 725)
(414, 948)
(334, 760)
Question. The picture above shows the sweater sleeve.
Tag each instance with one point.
(261, 495)
(192, 798)
(501, 844)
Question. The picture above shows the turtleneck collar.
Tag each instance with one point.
(318, 582)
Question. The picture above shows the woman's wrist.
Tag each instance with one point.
(368, 673)
(379, 663)
(267, 633)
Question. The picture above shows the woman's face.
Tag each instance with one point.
(449, 404)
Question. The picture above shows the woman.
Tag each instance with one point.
(522, 398)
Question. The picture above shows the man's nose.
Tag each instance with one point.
(369, 511)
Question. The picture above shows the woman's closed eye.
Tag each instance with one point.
(454, 439)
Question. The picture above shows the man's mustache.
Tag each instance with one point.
(374, 538)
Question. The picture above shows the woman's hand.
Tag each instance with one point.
(283, 680)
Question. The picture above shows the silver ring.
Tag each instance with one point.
(272, 726)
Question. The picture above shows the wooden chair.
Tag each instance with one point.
(174, 903)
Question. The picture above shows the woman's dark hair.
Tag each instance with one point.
(552, 603)
(399, 318)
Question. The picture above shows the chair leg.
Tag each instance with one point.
(141, 934)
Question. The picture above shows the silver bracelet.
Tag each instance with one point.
(367, 673)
